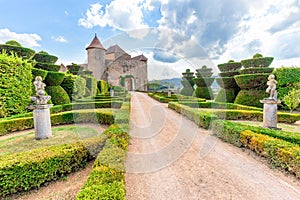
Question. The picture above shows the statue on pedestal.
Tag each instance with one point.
(272, 87)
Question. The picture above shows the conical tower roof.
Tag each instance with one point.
(95, 44)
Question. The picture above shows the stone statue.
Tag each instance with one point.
(272, 87)
(40, 98)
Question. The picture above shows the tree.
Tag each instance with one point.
(292, 99)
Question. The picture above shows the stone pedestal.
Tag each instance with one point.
(112, 92)
(270, 113)
(42, 122)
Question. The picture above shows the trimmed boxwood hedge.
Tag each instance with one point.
(255, 70)
(22, 52)
(91, 85)
(103, 87)
(74, 86)
(287, 76)
(34, 168)
(58, 95)
(54, 78)
(251, 97)
(39, 72)
(44, 57)
(250, 81)
(47, 66)
(257, 62)
(74, 68)
(69, 117)
(15, 85)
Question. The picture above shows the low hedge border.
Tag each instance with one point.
(107, 178)
(230, 131)
(279, 153)
(26, 170)
(69, 117)
(218, 105)
(201, 118)
(163, 98)
(73, 106)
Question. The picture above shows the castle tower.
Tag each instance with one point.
(96, 58)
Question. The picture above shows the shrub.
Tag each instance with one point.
(249, 81)
(230, 66)
(226, 95)
(257, 62)
(228, 74)
(15, 85)
(26, 122)
(187, 91)
(74, 86)
(91, 84)
(38, 72)
(13, 43)
(103, 87)
(287, 76)
(22, 52)
(257, 70)
(278, 152)
(203, 92)
(292, 99)
(250, 97)
(44, 57)
(204, 82)
(33, 168)
(47, 66)
(54, 78)
(58, 95)
(227, 83)
(74, 68)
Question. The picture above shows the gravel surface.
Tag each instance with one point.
(171, 158)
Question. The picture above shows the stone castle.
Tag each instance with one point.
(116, 66)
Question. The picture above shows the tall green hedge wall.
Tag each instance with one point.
(15, 85)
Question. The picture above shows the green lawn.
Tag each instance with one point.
(61, 135)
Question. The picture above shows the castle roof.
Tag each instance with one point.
(115, 49)
(140, 57)
(95, 44)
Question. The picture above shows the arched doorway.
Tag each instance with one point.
(128, 82)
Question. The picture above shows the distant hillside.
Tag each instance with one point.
(175, 82)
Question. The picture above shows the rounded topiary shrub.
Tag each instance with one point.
(248, 81)
(47, 66)
(103, 86)
(58, 95)
(22, 52)
(74, 86)
(44, 57)
(251, 97)
(54, 78)
(39, 72)
(227, 83)
(257, 70)
(91, 84)
(74, 68)
(226, 95)
(13, 43)
(203, 92)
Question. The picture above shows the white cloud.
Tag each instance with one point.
(59, 39)
(25, 39)
(119, 14)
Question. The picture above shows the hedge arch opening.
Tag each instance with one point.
(128, 82)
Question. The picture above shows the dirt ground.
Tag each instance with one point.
(171, 158)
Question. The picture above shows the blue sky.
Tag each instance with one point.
(174, 35)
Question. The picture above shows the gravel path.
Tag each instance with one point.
(171, 158)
